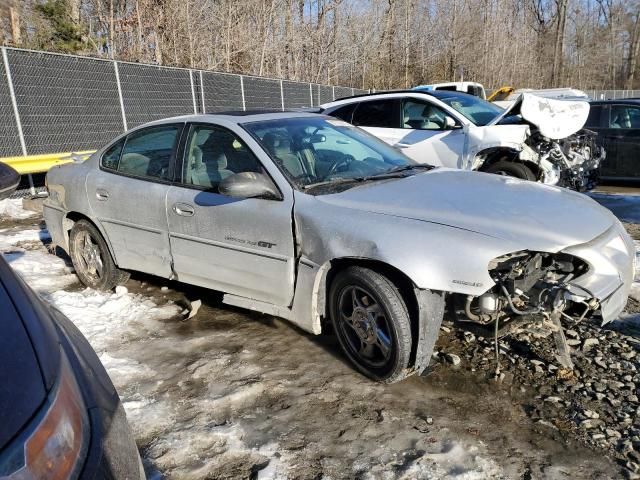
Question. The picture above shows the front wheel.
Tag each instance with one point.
(91, 258)
(372, 323)
(512, 169)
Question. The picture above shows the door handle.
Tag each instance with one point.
(403, 145)
(102, 194)
(183, 209)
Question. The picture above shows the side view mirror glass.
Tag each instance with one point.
(249, 185)
(9, 180)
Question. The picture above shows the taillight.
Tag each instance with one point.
(54, 446)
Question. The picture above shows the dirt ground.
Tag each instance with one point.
(235, 394)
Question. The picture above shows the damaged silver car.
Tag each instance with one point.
(308, 218)
(536, 138)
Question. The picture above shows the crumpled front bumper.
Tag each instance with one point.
(611, 259)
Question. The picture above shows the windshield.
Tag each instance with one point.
(479, 111)
(318, 150)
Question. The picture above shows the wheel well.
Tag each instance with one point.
(72, 217)
(493, 155)
(405, 286)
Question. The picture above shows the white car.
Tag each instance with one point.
(535, 139)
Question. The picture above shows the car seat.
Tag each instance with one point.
(279, 147)
(134, 164)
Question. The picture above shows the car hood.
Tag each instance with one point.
(554, 119)
(534, 216)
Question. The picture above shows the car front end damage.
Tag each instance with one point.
(542, 288)
(571, 162)
(560, 151)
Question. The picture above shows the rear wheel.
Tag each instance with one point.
(372, 323)
(91, 258)
(512, 169)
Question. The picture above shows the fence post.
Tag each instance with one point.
(204, 109)
(281, 95)
(311, 95)
(16, 114)
(244, 105)
(333, 92)
(124, 116)
(353, 91)
(193, 93)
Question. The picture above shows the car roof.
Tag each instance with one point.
(439, 94)
(238, 117)
(631, 101)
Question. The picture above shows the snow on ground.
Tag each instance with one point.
(12, 208)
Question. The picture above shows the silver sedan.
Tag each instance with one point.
(308, 218)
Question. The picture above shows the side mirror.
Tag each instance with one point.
(249, 185)
(450, 123)
(9, 180)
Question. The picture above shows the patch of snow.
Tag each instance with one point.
(10, 237)
(12, 208)
(42, 271)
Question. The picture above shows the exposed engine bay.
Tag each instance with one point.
(565, 154)
(571, 162)
(531, 288)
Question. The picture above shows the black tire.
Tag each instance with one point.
(512, 169)
(92, 261)
(386, 357)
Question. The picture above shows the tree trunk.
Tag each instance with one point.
(14, 13)
(558, 50)
(634, 52)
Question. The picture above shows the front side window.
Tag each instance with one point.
(148, 152)
(318, 150)
(376, 113)
(418, 115)
(624, 117)
(213, 154)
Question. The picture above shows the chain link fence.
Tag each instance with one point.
(53, 103)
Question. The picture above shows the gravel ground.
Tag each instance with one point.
(235, 394)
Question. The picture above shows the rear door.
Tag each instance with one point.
(128, 193)
(624, 131)
(242, 246)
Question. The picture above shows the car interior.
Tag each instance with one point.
(422, 116)
(215, 154)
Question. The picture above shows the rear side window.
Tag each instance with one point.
(148, 152)
(111, 157)
(345, 112)
(594, 116)
(624, 117)
(378, 113)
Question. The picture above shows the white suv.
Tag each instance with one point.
(535, 139)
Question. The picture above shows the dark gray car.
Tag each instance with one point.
(617, 123)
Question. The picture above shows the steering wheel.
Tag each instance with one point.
(344, 161)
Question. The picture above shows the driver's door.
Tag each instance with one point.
(426, 137)
(234, 245)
